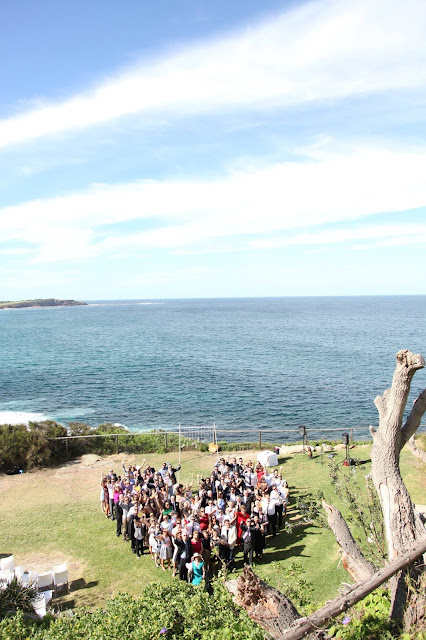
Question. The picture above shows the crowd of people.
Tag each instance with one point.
(195, 530)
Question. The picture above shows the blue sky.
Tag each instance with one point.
(199, 149)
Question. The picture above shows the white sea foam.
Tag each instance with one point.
(119, 304)
(20, 417)
(119, 424)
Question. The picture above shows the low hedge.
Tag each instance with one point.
(170, 611)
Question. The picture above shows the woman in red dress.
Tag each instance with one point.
(203, 520)
(242, 517)
(259, 471)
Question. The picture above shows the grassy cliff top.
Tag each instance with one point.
(67, 501)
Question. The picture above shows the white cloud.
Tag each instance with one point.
(324, 50)
(190, 214)
(377, 235)
(18, 251)
(153, 278)
(404, 240)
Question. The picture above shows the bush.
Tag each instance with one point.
(367, 619)
(17, 596)
(31, 446)
(171, 611)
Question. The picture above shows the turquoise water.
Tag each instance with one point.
(245, 364)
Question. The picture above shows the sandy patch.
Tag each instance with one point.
(90, 459)
(41, 562)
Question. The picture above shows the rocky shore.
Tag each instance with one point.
(40, 302)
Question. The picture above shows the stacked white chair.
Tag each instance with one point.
(7, 563)
(19, 573)
(45, 581)
(60, 576)
(5, 577)
(29, 577)
(39, 604)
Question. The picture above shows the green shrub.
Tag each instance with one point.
(171, 611)
(17, 596)
(13, 445)
(32, 446)
(367, 619)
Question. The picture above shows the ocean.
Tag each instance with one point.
(268, 364)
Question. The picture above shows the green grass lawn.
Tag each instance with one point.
(53, 515)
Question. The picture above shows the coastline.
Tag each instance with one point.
(40, 303)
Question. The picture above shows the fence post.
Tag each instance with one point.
(260, 439)
(66, 446)
(116, 443)
(351, 435)
(165, 442)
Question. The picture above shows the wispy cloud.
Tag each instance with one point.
(18, 251)
(190, 214)
(323, 50)
(374, 235)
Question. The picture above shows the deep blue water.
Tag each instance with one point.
(249, 364)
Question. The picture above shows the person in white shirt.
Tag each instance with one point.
(210, 508)
(268, 477)
(271, 511)
(232, 497)
(192, 526)
(250, 478)
(166, 524)
(228, 539)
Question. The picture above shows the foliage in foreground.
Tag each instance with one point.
(369, 620)
(17, 596)
(172, 611)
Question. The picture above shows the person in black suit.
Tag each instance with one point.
(119, 517)
(185, 555)
(249, 537)
(248, 499)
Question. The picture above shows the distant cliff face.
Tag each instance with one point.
(41, 302)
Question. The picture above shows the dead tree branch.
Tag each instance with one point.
(353, 560)
(411, 444)
(320, 618)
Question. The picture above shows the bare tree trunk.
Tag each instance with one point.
(353, 560)
(272, 610)
(401, 526)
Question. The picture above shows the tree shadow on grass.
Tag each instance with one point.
(59, 604)
(283, 547)
(81, 583)
(62, 601)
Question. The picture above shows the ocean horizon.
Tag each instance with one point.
(245, 364)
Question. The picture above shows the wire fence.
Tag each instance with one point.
(165, 441)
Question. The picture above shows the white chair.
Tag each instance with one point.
(29, 577)
(60, 577)
(7, 563)
(19, 572)
(5, 577)
(48, 596)
(45, 581)
(39, 604)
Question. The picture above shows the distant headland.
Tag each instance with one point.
(40, 302)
